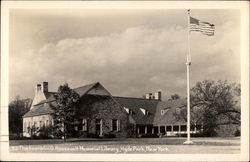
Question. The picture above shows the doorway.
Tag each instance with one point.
(98, 126)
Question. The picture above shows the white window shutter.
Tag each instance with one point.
(119, 125)
(110, 124)
(86, 124)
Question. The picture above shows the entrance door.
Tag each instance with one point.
(98, 127)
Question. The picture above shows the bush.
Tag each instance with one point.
(131, 130)
(93, 135)
(149, 136)
(45, 132)
(109, 135)
(191, 134)
(237, 133)
(82, 134)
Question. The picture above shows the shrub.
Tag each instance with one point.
(191, 134)
(237, 133)
(45, 132)
(149, 136)
(93, 135)
(109, 135)
(82, 134)
(131, 130)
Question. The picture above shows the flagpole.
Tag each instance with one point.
(188, 63)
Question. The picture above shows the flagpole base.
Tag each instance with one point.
(188, 142)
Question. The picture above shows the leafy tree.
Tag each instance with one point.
(175, 97)
(17, 109)
(65, 112)
(213, 104)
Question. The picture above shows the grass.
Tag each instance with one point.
(129, 145)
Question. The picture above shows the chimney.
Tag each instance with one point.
(37, 88)
(158, 95)
(149, 96)
(45, 87)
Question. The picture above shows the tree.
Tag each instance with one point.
(214, 104)
(65, 110)
(175, 97)
(17, 109)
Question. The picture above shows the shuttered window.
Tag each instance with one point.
(115, 125)
(111, 125)
(24, 126)
(84, 124)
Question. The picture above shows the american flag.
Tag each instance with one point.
(201, 26)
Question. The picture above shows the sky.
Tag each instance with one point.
(131, 52)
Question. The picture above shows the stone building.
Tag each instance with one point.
(101, 113)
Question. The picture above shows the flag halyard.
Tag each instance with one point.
(201, 26)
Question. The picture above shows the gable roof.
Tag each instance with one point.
(40, 109)
(84, 89)
(50, 96)
(135, 104)
(172, 108)
(154, 107)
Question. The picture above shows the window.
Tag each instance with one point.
(183, 128)
(129, 111)
(40, 125)
(144, 111)
(164, 111)
(162, 129)
(176, 128)
(84, 125)
(24, 126)
(169, 128)
(177, 110)
(115, 125)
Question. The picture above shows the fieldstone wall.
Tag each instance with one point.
(104, 108)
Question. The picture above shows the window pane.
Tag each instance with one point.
(162, 129)
(169, 128)
(176, 128)
(114, 124)
(183, 128)
(84, 125)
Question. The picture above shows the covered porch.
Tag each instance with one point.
(166, 130)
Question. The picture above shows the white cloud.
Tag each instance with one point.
(132, 62)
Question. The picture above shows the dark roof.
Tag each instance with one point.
(135, 104)
(41, 109)
(84, 89)
(171, 107)
(154, 107)
(50, 96)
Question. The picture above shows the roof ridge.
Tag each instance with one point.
(136, 98)
(92, 84)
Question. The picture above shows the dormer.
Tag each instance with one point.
(128, 110)
(164, 111)
(144, 111)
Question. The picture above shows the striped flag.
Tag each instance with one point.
(201, 26)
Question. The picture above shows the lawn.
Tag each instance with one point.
(129, 145)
